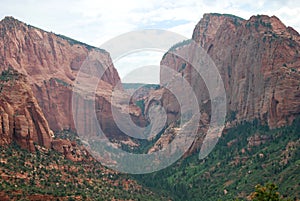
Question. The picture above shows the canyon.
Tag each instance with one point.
(258, 60)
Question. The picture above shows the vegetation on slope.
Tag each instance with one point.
(268, 192)
(47, 175)
(8, 75)
(235, 166)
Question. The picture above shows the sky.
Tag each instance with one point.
(96, 21)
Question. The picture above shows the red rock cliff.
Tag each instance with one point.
(259, 61)
(51, 63)
(21, 118)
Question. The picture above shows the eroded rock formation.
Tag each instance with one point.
(21, 118)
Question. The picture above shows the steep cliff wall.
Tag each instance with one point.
(21, 118)
(51, 62)
(259, 61)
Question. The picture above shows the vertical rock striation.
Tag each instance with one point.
(21, 118)
(259, 62)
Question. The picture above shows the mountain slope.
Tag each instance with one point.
(259, 62)
(47, 175)
(38, 70)
(245, 156)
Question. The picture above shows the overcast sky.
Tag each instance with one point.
(96, 21)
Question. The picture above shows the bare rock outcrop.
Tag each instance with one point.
(71, 150)
(21, 118)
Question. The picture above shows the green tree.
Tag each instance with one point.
(266, 193)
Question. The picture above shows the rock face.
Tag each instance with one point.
(21, 118)
(42, 55)
(51, 63)
(259, 62)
